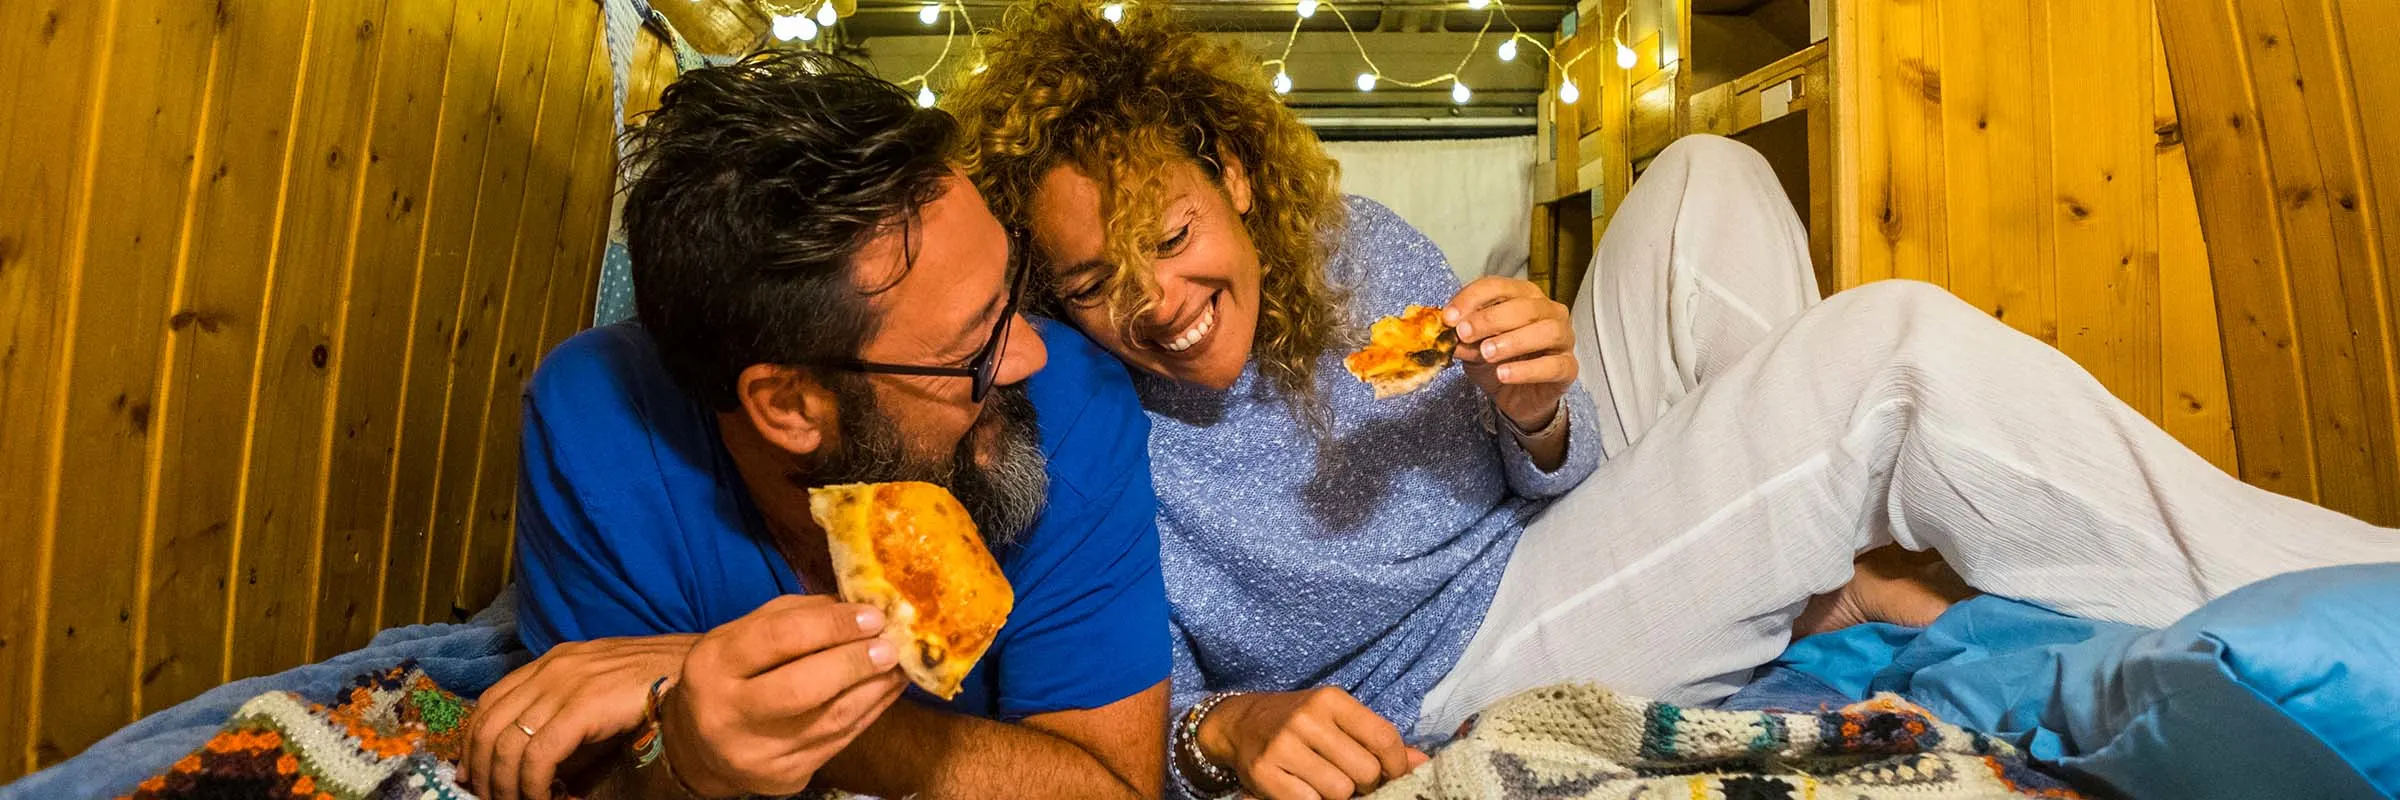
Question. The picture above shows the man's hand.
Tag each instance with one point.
(576, 695)
(1517, 344)
(1319, 743)
(766, 699)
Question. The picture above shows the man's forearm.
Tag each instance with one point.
(915, 750)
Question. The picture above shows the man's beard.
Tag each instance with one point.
(1003, 490)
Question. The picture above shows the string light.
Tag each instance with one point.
(1566, 90)
(1373, 76)
(930, 13)
(1477, 5)
(826, 16)
(1626, 57)
(1113, 12)
(793, 26)
(925, 96)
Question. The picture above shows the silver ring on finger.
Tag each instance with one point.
(528, 729)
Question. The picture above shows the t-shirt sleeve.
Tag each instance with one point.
(599, 549)
(1089, 628)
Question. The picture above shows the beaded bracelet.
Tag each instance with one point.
(649, 745)
(1187, 744)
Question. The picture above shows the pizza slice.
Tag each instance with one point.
(1404, 352)
(911, 550)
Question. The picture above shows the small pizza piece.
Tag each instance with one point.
(1404, 353)
(911, 550)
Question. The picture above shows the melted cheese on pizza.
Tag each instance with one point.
(1403, 352)
(912, 550)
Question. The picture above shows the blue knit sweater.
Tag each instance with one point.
(1365, 563)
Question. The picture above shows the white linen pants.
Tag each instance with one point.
(1766, 453)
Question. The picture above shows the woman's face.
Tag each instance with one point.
(1207, 270)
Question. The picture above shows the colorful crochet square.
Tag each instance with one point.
(1582, 742)
(393, 734)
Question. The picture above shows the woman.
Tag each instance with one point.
(1342, 569)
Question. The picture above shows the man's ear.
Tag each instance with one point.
(1236, 178)
(787, 406)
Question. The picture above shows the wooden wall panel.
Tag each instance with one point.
(48, 82)
(2015, 151)
(123, 270)
(2288, 109)
(383, 298)
(217, 221)
(212, 342)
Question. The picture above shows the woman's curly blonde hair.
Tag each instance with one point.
(1122, 102)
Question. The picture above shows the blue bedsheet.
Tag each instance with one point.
(465, 658)
(2287, 688)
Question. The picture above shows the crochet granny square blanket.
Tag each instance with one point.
(1583, 742)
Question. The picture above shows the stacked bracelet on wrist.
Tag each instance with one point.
(1212, 780)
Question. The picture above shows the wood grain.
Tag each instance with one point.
(134, 215)
(48, 87)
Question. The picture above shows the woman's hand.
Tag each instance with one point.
(1517, 345)
(576, 695)
(1319, 743)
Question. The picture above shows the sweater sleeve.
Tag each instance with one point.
(1583, 451)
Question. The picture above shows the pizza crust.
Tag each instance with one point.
(1404, 353)
(911, 550)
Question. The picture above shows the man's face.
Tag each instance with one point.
(940, 289)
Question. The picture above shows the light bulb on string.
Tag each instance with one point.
(806, 29)
(1113, 12)
(787, 26)
(1626, 57)
(1478, 4)
(1308, 8)
(1566, 91)
(930, 13)
(1459, 93)
(1508, 49)
(826, 16)
(1283, 82)
(925, 96)
(1366, 81)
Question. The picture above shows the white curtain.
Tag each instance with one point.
(1472, 197)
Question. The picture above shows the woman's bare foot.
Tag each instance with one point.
(1890, 585)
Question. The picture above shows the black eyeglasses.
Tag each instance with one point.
(984, 368)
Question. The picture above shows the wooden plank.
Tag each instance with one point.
(212, 341)
(583, 236)
(1911, 90)
(716, 27)
(1990, 134)
(2192, 358)
(2341, 380)
(2210, 68)
(1867, 214)
(283, 504)
(2104, 196)
(500, 205)
(147, 131)
(1652, 125)
(2375, 87)
(470, 87)
(2340, 193)
(49, 82)
(370, 374)
(549, 182)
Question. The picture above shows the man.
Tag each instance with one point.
(822, 299)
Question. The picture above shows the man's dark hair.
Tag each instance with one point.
(759, 182)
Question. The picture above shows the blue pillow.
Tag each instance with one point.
(2289, 687)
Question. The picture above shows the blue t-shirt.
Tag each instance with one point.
(632, 521)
